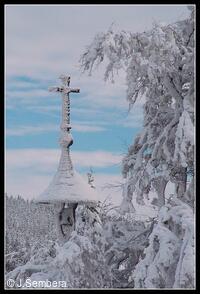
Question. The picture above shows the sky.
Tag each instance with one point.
(42, 42)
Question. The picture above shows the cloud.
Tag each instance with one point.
(30, 130)
(101, 103)
(46, 160)
(42, 64)
(17, 84)
(49, 36)
(95, 158)
(87, 128)
(47, 110)
(94, 92)
(31, 160)
(43, 41)
(29, 171)
(39, 129)
(28, 95)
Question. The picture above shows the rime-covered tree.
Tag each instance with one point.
(159, 65)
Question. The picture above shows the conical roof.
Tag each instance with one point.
(69, 190)
(68, 185)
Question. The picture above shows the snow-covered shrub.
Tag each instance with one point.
(169, 258)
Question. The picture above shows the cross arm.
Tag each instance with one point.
(63, 89)
(74, 90)
(55, 89)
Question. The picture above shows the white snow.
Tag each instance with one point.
(68, 189)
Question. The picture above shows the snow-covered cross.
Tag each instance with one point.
(65, 90)
(66, 138)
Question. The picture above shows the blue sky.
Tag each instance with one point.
(42, 42)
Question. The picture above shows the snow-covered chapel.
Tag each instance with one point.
(67, 188)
